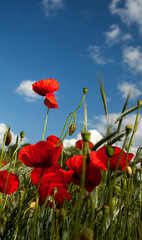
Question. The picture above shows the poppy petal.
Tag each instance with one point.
(12, 184)
(45, 85)
(50, 100)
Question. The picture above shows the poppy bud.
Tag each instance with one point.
(110, 151)
(139, 103)
(72, 129)
(129, 171)
(128, 128)
(8, 137)
(55, 190)
(106, 209)
(22, 134)
(85, 90)
(85, 136)
(86, 234)
(33, 204)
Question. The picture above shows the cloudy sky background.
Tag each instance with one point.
(71, 41)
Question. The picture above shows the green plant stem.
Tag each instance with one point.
(45, 123)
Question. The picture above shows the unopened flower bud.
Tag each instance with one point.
(106, 209)
(33, 204)
(128, 128)
(55, 190)
(22, 134)
(72, 129)
(8, 138)
(110, 151)
(85, 136)
(85, 90)
(86, 234)
(139, 103)
(129, 171)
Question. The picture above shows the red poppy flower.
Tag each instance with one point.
(43, 154)
(45, 86)
(79, 144)
(93, 175)
(52, 178)
(12, 184)
(50, 100)
(99, 159)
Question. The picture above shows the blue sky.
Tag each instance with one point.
(72, 42)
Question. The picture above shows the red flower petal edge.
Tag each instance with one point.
(79, 144)
(93, 175)
(12, 184)
(50, 100)
(45, 86)
(43, 154)
(99, 159)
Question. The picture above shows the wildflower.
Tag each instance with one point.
(92, 174)
(50, 100)
(99, 159)
(79, 144)
(43, 154)
(12, 183)
(45, 86)
(52, 178)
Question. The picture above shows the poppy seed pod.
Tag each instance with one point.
(139, 103)
(85, 136)
(22, 134)
(85, 90)
(109, 151)
(129, 128)
(72, 129)
(8, 138)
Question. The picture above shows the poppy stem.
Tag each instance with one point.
(45, 123)
(74, 115)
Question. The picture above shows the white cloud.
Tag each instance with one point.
(126, 87)
(132, 56)
(3, 129)
(130, 13)
(51, 6)
(114, 35)
(95, 137)
(97, 56)
(25, 89)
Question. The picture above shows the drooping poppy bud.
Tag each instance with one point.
(72, 129)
